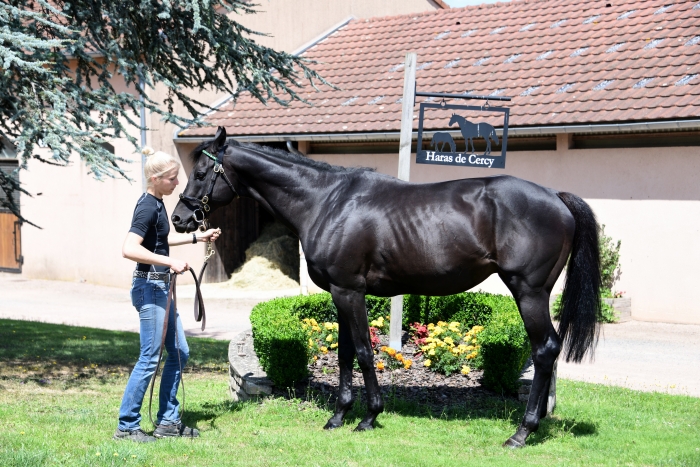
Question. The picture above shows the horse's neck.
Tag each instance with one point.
(286, 189)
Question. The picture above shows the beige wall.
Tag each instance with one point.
(85, 221)
(291, 24)
(648, 198)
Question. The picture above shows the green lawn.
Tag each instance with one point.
(50, 416)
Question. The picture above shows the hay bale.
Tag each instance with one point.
(272, 262)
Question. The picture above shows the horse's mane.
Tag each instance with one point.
(288, 156)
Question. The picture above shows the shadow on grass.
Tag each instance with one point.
(41, 351)
(209, 412)
(471, 404)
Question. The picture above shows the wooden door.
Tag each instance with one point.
(10, 243)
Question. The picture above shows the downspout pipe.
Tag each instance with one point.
(142, 84)
(292, 149)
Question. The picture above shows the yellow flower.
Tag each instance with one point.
(431, 326)
(390, 351)
(311, 342)
(324, 349)
(437, 331)
(399, 357)
(454, 350)
(313, 322)
(471, 355)
(448, 340)
(335, 326)
(315, 358)
(334, 345)
(329, 338)
(383, 348)
(431, 352)
(328, 326)
(427, 363)
(477, 329)
(442, 324)
(428, 340)
(380, 366)
(440, 344)
(465, 370)
(315, 328)
(407, 363)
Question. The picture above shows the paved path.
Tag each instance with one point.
(82, 304)
(639, 355)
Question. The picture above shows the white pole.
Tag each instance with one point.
(409, 95)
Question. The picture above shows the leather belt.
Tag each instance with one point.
(154, 276)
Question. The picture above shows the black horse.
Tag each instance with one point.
(367, 233)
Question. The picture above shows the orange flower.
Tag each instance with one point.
(390, 351)
(407, 363)
(380, 366)
(399, 357)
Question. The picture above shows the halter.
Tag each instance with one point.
(199, 214)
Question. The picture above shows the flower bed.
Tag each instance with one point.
(306, 324)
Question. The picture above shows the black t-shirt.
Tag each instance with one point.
(150, 222)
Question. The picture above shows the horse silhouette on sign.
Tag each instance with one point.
(475, 130)
(442, 138)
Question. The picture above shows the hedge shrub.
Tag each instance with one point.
(505, 348)
(281, 343)
(469, 308)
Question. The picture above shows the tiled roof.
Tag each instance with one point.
(563, 62)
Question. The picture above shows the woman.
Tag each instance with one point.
(147, 243)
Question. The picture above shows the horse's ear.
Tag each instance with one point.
(220, 137)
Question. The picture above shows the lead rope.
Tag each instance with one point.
(199, 315)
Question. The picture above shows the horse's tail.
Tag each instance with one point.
(580, 304)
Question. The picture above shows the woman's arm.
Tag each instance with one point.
(175, 239)
(135, 251)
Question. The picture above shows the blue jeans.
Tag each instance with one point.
(150, 298)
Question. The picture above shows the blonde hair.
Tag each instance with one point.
(157, 164)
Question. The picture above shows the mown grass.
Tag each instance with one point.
(69, 420)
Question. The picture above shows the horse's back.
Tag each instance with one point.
(438, 238)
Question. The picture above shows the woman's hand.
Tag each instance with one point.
(211, 234)
(178, 266)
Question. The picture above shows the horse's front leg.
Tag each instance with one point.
(346, 357)
(352, 310)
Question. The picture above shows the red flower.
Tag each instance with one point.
(374, 336)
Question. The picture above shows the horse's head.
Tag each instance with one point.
(208, 186)
(454, 120)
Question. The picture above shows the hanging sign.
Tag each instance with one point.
(482, 147)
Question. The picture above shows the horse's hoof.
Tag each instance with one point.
(513, 444)
(330, 425)
(364, 427)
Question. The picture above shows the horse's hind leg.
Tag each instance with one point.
(346, 358)
(352, 309)
(546, 345)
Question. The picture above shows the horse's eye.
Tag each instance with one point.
(200, 175)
